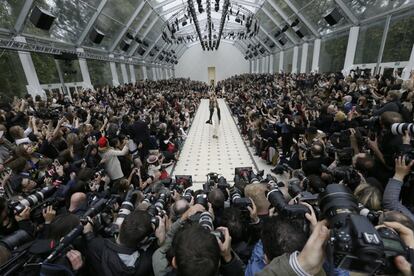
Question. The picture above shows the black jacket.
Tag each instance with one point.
(104, 256)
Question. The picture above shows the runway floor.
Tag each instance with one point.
(203, 154)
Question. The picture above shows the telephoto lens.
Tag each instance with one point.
(277, 200)
(127, 207)
(15, 240)
(206, 221)
(34, 198)
(400, 128)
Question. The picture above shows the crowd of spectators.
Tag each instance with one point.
(86, 190)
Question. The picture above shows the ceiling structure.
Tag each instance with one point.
(159, 31)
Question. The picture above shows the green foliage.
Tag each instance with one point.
(400, 39)
(99, 72)
(333, 51)
(12, 78)
(369, 43)
(9, 11)
(45, 68)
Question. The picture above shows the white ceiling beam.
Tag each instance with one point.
(24, 12)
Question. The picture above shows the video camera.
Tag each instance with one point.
(355, 244)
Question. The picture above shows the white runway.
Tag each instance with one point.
(203, 154)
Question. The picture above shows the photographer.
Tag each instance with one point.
(131, 253)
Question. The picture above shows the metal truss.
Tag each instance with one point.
(13, 45)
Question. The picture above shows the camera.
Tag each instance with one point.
(32, 199)
(15, 240)
(157, 209)
(400, 128)
(237, 200)
(96, 208)
(202, 200)
(206, 221)
(277, 200)
(127, 207)
(347, 174)
(188, 195)
(355, 244)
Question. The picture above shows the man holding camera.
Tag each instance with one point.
(132, 251)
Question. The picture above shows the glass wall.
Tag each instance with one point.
(276, 59)
(369, 43)
(299, 58)
(119, 72)
(149, 73)
(287, 60)
(310, 58)
(45, 67)
(138, 72)
(400, 38)
(12, 77)
(70, 70)
(332, 55)
(100, 72)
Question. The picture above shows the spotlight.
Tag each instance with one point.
(184, 23)
(129, 36)
(285, 28)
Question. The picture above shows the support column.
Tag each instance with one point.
(406, 73)
(112, 65)
(258, 66)
(84, 71)
(295, 60)
(124, 72)
(144, 72)
(350, 50)
(271, 61)
(253, 66)
(33, 85)
(132, 73)
(304, 59)
(281, 61)
(250, 66)
(316, 53)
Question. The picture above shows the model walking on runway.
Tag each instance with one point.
(215, 123)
